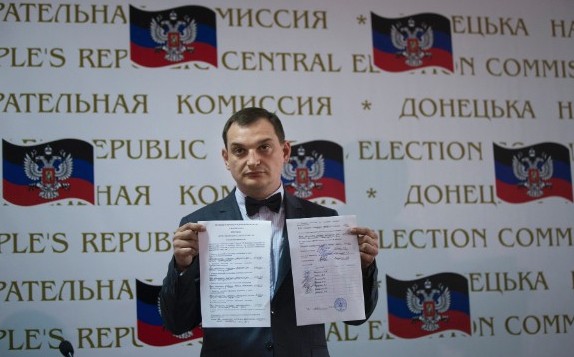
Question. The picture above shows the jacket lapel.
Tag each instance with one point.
(292, 210)
(228, 209)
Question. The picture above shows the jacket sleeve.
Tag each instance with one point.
(179, 297)
(370, 292)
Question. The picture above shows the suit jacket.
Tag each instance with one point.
(181, 307)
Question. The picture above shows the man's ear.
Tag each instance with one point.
(225, 157)
(286, 151)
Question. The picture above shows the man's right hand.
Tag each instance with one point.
(186, 244)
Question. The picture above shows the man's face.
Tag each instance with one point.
(255, 157)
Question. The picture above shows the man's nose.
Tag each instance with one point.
(253, 158)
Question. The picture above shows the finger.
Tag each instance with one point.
(188, 235)
(191, 227)
(368, 246)
(185, 244)
(363, 231)
(185, 251)
(369, 241)
(366, 235)
(369, 249)
(188, 231)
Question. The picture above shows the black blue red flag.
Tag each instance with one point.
(173, 36)
(315, 170)
(532, 172)
(428, 305)
(412, 42)
(150, 326)
(48, 172)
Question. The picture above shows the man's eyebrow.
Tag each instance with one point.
(262, 141)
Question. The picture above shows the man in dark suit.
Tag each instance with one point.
(255, 152)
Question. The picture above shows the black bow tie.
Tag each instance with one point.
(273, 203)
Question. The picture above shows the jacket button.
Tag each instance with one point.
(269, 345)
(272, 312)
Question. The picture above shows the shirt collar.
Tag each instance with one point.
(240, 198)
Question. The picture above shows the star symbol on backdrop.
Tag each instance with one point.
(366, 104)
(371, 193)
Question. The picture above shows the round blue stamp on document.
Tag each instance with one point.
(340, 304)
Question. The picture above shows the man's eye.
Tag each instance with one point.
(238, 151)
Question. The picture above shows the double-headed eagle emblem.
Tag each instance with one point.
(429, 303)
(534, 171)
(304, 171)
(412, 41)
(173, 35)
(49, 171)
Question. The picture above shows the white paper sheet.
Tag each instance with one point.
(326, 267)
(235, 273)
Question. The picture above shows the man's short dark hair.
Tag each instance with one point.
(250, 115)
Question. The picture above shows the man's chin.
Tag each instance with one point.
(254, 188)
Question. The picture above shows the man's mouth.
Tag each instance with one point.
(254, 173)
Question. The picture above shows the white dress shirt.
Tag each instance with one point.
(277, 225)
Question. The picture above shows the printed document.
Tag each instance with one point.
(234, 261)
(326, 265)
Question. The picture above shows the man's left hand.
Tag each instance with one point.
(368, 245)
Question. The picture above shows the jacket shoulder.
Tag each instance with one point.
(212, 211)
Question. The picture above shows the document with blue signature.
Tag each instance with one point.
(326, 266)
